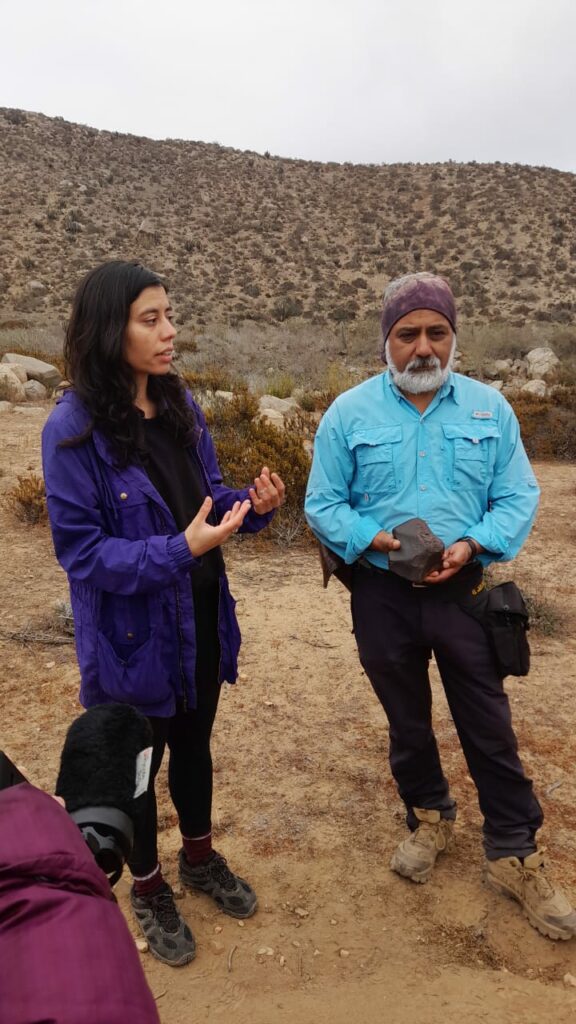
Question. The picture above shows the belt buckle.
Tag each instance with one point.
(421, 586)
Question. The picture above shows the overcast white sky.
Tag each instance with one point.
(360, 80)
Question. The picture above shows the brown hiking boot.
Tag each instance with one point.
(415, 857)
(546, 907)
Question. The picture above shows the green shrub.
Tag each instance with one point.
(281, 386)
(245, 444)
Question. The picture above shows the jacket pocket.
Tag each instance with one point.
(133, 673)
(470, 453)
(377, 459)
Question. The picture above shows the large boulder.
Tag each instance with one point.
(272, 416)
(283, 405)
(497, 369)
(36, 369)
(19, 371)
(534, 387)
(11, 389)
(543, 364)
(35, 391)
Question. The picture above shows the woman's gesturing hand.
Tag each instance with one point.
(268, 492)
(202, 536)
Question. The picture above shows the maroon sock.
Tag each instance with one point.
(198, 849)
(149, 885)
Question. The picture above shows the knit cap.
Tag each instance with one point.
(417, 291)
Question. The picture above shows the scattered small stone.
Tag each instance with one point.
(216, 946)
(265, 951)
(344, 953)
(569, 980)
(240, 924)
(50, 664)
(300, 912)
(218, 929)
(282, 961)
(333, 920)
(141, 945)
(295, 943)
(316, 953)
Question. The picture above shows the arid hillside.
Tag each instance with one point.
(244, 237)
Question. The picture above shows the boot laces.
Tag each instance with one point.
(427, 835)
(220, 872)
(539, 878)
(164, 910)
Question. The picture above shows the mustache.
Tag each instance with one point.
(422, 363)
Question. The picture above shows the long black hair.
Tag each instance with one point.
(95, 367)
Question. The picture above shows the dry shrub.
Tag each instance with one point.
(548, 425)
(211, 378)
(245, 444)
(27, 499)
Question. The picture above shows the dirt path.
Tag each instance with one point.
(304, 804)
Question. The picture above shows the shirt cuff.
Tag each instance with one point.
(363, 533)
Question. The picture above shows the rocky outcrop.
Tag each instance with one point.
(11, 389)
(543, 364)
(36, 369)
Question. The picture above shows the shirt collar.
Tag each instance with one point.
(452, 387)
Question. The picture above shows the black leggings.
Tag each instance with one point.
(187, 735)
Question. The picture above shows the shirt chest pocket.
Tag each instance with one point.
(377, 455)
(470, 451)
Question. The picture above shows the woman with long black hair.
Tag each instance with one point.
(138, 513)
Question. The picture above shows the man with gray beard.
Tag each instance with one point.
(421, 441)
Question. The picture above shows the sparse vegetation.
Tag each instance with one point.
(282, 385)
(276, 241)
(548, 426)
(27, 499)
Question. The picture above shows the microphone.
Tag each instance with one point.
(103, 778)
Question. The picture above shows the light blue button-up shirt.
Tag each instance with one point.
(460, 465)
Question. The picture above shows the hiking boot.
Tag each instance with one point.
(546, 907)
(415, 857)
(230, 892)
(169, 937)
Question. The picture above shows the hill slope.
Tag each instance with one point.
(242, 236)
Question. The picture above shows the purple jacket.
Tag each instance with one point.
(129, 568)
(66, 955)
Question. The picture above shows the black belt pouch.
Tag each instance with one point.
(503, 613)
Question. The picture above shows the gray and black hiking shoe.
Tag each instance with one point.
(169, 937)
(230, 892)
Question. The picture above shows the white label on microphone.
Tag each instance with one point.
(143, 765)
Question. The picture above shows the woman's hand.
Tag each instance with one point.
(268, 492)
(202, 537)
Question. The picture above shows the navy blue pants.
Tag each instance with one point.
(397, 627)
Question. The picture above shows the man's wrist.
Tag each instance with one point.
(473, 546)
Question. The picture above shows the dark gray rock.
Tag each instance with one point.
(420, 550)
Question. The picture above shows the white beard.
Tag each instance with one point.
(417, 381)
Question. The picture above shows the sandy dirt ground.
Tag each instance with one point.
(304, 804)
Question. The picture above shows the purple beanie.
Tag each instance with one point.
(417, 291)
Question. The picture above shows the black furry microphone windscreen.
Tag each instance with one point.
(101, 761)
